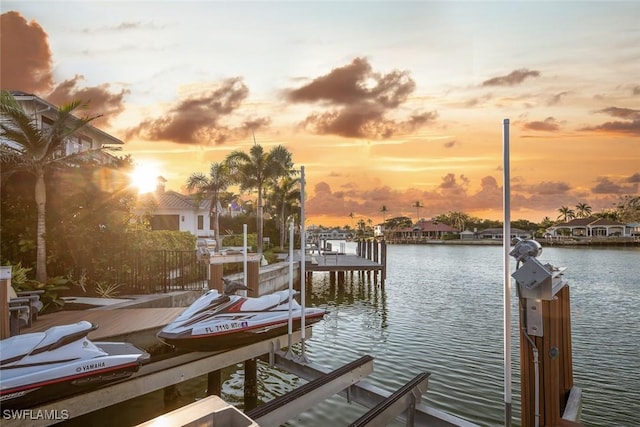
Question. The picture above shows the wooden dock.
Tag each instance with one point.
(370, 257)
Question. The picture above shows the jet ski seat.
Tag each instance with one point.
(264, 302)
(19, 346)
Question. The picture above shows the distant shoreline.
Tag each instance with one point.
(598, 242)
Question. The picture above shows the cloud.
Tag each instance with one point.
(636, 90)
(606, 186)
(513, 78)
(451, 144)
(548, 188)
(26, 57)
(358, 102)
(549, 124)
(26, 66)
(629, 125)
(555, 99)
(99, 99)
(198, 119)
(635, 178)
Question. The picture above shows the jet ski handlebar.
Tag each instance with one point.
(231, 286)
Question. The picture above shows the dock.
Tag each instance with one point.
(370, 258)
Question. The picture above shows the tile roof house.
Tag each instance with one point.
(424, 229)
(180, 212)
(588, 227)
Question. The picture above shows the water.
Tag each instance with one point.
(441, 311)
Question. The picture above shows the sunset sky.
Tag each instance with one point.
(384, 103)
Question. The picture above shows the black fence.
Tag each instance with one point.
(151, 272)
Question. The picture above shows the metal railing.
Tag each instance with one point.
(148, 272)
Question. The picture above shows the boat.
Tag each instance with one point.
(42, 366)
(219, 321)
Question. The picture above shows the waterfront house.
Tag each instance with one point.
(632, 229)
(497, 233)
(422, 230)
(87, 139)
(467, 235)
(588, 227)
(170, 210)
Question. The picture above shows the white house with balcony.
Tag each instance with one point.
(86, 139)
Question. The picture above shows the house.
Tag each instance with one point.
(378, 230)
(632, 229)
(588, 227)
(498, 233)
(88, 138)
(179, 212)
(467, 235)
(423, 229)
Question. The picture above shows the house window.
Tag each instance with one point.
(200, 222)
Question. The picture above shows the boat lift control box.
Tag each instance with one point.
(538, 281)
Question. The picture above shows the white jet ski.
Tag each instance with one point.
(221, 321)
(43, 366)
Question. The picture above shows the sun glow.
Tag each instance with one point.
(145, 177)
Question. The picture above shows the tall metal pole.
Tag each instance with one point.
(303, 255)
(290, 323)
(506, 240)
(244, 253)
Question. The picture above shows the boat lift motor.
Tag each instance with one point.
(536, 281)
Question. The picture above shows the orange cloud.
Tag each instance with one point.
(26, 65)
(359, 101)
(549, 124)
(198, 119)
(629, 125)
(513, 78)
(26, 57)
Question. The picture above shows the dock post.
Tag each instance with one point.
(383, 260)
(253, 279)
(214, 383)
(5, 282)
(250, 384)
(215, 277)
(375, 250)
(170, 396)
(555, 362)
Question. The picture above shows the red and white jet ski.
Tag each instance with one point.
(221, 321)
(43, 366)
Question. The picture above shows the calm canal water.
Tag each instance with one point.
(441, 312)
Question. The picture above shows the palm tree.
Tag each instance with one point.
(36, 150)
(351, 216)
(458, 219)
(285, 193)
(566, 213)
(418, 204)
(254, 170)
(211, 188)
(384, 211)
(583, 210)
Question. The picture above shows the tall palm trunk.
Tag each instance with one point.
(216, 228)
(259, 220)
(41, 253)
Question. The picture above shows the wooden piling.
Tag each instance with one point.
(215, 277)
(554, 363)
(250, 384)
(214, 383)
(5, 282)
(253, 279)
